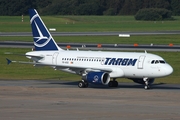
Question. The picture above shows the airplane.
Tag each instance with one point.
(95, 67)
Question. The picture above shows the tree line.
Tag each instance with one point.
(85, 7)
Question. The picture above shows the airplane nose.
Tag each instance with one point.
(168, 70)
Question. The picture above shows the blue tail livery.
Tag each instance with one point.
(42, 38)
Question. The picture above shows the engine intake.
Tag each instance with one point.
(97, 78)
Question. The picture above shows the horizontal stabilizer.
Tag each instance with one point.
(10, 53)
(21, 62)
(8, 61)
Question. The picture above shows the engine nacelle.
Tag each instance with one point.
(141, 81)
(97, 78)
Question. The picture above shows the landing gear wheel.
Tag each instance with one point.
(146, 87)
(113, 84)
(86, 84)
(81, 84)
(110, 84)
(146, 81)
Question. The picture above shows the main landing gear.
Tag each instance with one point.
(113, 83)
(83, 84)
(146, 81)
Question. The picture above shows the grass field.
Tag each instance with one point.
(86, 23)
(24, 71)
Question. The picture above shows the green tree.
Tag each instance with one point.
(113, 7)
(175, 5)
(16, 7)
(153, 14)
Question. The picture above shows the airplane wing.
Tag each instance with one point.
(76, 69)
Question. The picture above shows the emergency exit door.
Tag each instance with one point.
(54, 58)
(141, 61)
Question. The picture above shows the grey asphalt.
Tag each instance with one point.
(94, 46)
(108, 33)
(87, 46)
(63, 100)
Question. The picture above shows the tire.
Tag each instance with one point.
(110, 84)
(81, 84)
(115, 83)
(146, 87)
(86, 84)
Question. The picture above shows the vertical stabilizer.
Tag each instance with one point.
(42, 38)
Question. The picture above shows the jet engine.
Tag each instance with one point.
(141, 81)
(97, 78)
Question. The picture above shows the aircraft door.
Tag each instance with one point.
(102, 61)
(54, 58)
(141, 62)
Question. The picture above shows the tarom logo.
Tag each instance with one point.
(95, 78)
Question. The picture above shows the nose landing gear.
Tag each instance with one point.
(146, 81)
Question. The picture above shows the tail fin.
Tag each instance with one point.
(42, 38)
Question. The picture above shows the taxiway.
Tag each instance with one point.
(55, 99)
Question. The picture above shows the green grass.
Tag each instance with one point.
(26, 71)
(81, 24)
(155, 39)
(87, 23)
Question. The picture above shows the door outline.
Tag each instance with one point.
(54, 58)
(141, 61)
(102, 61)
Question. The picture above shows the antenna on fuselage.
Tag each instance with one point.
(145, 51)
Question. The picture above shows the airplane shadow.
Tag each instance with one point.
(153, 86)
(75, 83)
(121, 85)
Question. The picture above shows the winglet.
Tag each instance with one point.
(8, 61)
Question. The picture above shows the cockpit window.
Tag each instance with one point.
(158, 61)
(152, 62)
(162, 61)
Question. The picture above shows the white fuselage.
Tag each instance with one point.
(119, 64)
